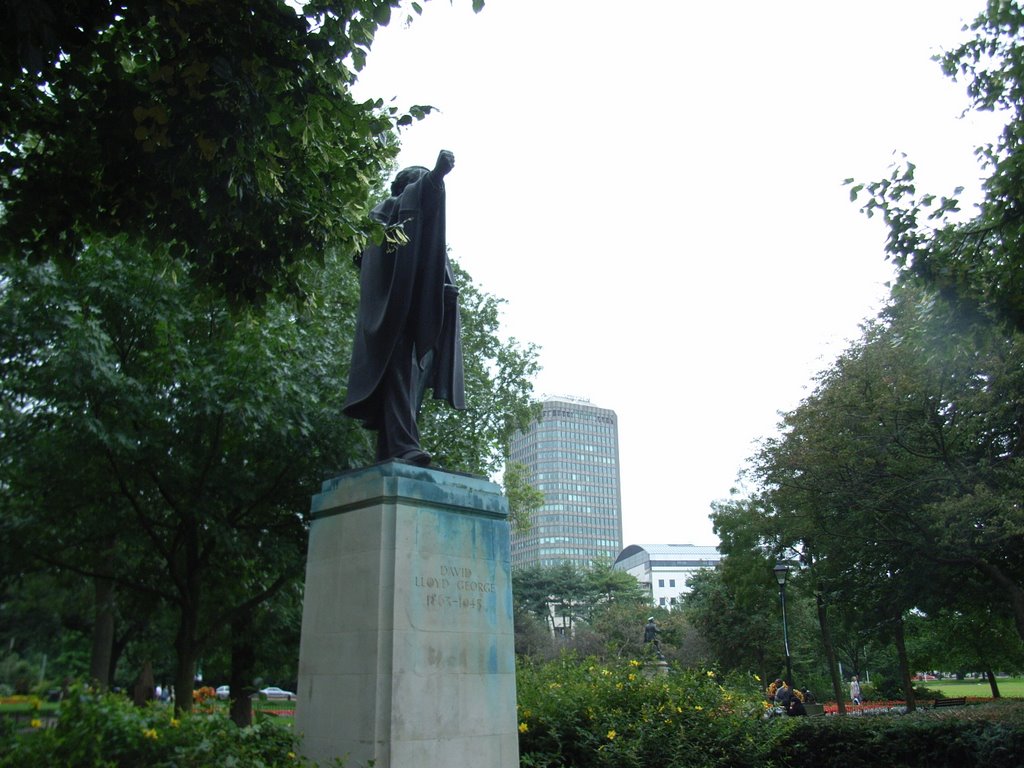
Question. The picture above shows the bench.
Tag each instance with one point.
(814, 710)
(950, 702)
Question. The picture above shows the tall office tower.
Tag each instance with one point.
(572, 452)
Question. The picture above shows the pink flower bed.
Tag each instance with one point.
(830, 707)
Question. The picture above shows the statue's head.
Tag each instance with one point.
(406, 177)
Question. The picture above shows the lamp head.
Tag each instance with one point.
(781, 571)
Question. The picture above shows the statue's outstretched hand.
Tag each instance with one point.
(445, 162)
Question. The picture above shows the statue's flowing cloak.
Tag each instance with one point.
(407, 289)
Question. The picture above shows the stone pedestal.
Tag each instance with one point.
(655, 668)
(407, 655)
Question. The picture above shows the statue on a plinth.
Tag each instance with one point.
(408, 330)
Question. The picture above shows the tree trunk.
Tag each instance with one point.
(992, 683)
(830, 653)
(144, 690)
(243, 667)
(187, 650)
(184, 682)
(100, 667)
(904, 664)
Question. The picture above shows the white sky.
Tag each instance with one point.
(656, 190)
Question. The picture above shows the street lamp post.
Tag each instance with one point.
(781, 571)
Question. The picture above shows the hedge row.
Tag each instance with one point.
(572, 714)
(960, 739)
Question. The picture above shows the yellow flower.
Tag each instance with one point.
(527, 713)
(679, 710)
(291, 755)
(150, 733)
(611, 735)
(632, 677)
(36, 723)
(634, 663)
(710, 673)
(523, 727)
(699, 708)
(605, 672)
(175, 722)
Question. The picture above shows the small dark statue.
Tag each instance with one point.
(651, 633)
(408, 331)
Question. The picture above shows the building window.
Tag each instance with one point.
(672, 583)
(661, 583)
(661, 601)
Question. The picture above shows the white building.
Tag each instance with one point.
(664, 568)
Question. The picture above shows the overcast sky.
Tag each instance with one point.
(656, 190)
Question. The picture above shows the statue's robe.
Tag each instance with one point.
(408, 329)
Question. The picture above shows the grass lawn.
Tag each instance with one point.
(45, 707)
(1009, 687)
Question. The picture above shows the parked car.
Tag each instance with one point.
(224, 692)
(273, 692)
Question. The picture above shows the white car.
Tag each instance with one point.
(224, 692)
(273, 692)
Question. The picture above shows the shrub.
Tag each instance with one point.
(579, 713)
(909, 742)
(101, 731)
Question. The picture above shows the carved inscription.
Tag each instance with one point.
(453, 587)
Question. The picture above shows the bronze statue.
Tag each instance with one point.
(651, 633)
(408, 331)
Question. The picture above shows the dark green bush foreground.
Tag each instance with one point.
(960, 738)
(581, 714)
(572, 714)
(109, 732)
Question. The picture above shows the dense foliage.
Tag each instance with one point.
(577, 712)
(97, 731)
(165, 446)
(596, 611)
(573, 712)
(225, 133)
(986, 739)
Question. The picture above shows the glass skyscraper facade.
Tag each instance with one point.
(572, 452)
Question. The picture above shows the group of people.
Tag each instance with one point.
(791, 700)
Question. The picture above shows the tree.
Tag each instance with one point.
(973, 264)
(975, 639)
(225, 133)
(900, 474)
(155, 439)
(499, 386)
(741, 630)
(523, 498)
(571, 600)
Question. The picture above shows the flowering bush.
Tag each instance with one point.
(98, 731)
(575, 712)
(204, 700)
